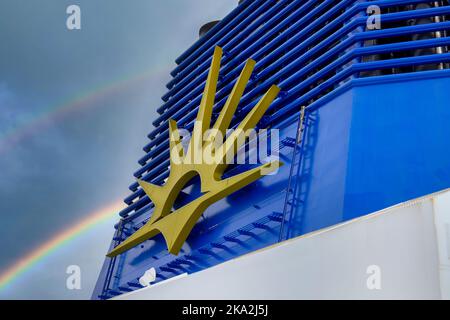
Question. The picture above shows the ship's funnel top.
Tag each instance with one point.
(206, 27)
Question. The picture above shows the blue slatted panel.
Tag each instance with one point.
(307, 43)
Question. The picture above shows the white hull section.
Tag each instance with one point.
(402, 252)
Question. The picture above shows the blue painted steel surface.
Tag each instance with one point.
(376, 126)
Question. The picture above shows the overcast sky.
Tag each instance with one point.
(58, 167)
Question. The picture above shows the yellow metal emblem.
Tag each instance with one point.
(176, 225)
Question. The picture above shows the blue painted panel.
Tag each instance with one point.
(371, 147)
(399, 144)
(324, 166)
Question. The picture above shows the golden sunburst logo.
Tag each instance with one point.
(206, 157)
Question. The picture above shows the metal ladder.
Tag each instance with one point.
(291, 200)
(112, 261)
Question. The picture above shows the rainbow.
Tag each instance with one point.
(47, 116)
(50, 114)
(28, 261)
